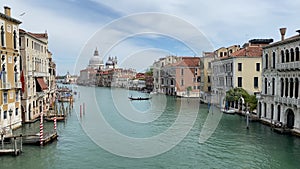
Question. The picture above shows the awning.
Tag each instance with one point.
(42, 83)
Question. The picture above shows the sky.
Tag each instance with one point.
(139, 32)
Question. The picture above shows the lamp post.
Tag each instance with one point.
(10, 114)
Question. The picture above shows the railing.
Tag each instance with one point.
(288, 101)
(18, 85)
(40, 74)
(6, 85)
(288, 66)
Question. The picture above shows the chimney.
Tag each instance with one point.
(282, 32)
(7, 10)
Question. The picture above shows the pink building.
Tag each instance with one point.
(182, 78)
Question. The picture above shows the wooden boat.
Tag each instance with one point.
(61, 118)
(139, 98)
(228, 111)
(65, 97)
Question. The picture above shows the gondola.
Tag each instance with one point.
(139, 98)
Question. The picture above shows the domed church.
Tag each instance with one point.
(96, 62)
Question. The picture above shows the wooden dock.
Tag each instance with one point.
(35, 139)
(13, 152)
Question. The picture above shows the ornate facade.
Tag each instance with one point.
(279, 101)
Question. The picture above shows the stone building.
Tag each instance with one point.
(205, 76)
(10, 86)
(38, 75)
(279, 101)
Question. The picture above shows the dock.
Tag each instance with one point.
(35, 139)
(15, 151)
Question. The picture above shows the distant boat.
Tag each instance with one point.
(65, 97)
(228, 111)
(139, 98)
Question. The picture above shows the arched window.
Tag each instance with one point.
(287, 55)
(292, 55)
(281, 87)
(2, 36)
(286, 87)
(272, 111)
(267, 61)
(266, 86)
(282, 56)
(278, 113)
(297, 54)
(273, 60)
(297, 88)
(273, 86)
(291, 87)
(265, 109)
(15, 40)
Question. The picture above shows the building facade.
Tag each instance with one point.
(205, 76)
(239, 69)
(181, 78)
(38, 75)
(10, 101)
(279, 101)
(158, 70)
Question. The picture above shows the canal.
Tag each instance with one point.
(163, 132)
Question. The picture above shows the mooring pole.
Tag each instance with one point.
(83, 108)
(21, 143)
(2, 141)
(80, 110)
(15, 146)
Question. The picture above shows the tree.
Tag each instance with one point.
(234, 94)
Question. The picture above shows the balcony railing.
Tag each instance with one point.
(18, 85)
(288, 101)
(288, 66)
(6, 85)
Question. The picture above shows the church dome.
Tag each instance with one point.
(96, 60)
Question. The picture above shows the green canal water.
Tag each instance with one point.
(83, 144)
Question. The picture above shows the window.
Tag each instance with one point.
(195, 87)
(17, 112)
(209, 65)
(15, 39)
(273, 60)
(17, 95)
(255, 82)
(257, 67)
(239, 66)
(282, 56)
(266, 85)
(240, 84)
(209, 88)
(194, 80)
(4, 97)
(27, 42)
(196, 71)
(182, 82)
(297, 54)
(5, 114)
(2, 36)
(287, 56)
(182, 72)
(208, 79)
(266, 61)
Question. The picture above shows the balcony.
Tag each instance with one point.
(40, 74)
(18, 85)
(6, 85)
(288, 66)
(287, 101)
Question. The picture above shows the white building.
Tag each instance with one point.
(279, 101)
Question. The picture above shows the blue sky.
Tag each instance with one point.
(75, 27)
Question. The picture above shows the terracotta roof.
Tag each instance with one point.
(250, 51)
(285, 41)
(36, 35)
(187, 62)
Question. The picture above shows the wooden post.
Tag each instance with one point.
(41, 130)
(21, 142)
(80, 111)
(54, 123)
(2, 141)
(83, 108)
(15, 146)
